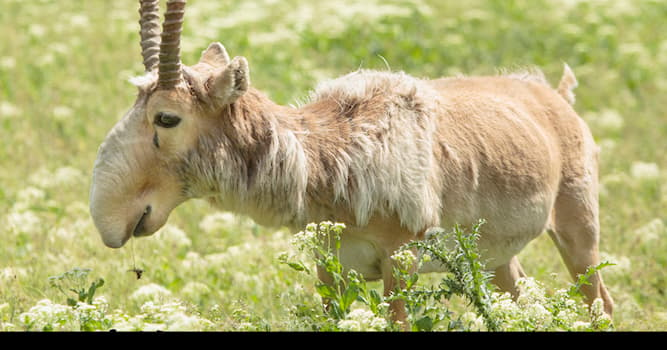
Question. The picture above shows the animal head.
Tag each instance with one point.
(144, 166)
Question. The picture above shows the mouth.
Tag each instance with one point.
(139, 228)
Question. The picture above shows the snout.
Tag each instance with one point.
(132, 193)
(140, 227)
(139, 223)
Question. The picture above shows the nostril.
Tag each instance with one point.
(139, 227)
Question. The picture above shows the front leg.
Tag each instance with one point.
(326, 278)
(397, 307)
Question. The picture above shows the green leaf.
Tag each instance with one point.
(326, 291)
(348, 297)
(297, 266)
(412, 280)
(376, 299)
(424, 324)
(91, 291)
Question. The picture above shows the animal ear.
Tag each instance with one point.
(231, 82)
(215, 55)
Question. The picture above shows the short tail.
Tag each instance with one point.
(567, 83)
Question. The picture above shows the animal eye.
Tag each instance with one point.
(166, 120)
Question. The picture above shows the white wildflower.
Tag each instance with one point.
(530, 291)
(36, 30)
(645, 171)
(607, 146)
(567, 316)
(61, 49)
(539, 316)
(581, 325)
(622, 264)
(216, 259)
(62, 113)
(156, 312)
(405, 259)
(124, 323)
(193, 261)
(67, 175)
(195, 290)
(60, 233)
(8, 110)
(7, 62)
(151, 292)
(10, 274)
(473, 321)
(651, 231)
(304, 240)
(63, 176)
(326, 225)
(615, 179)
(173, 235)
(278, 35)
(607, 119)
(331, 18)
(77, 209)
(234, 252)
(180, 321)
(216, 222)
(28, 197)
(170, 316)
(46, 316)
(25, 222)
(378, 324)
(349, 325)
(598, 316)
(362, 320)
(503, 306)
(79, 21)
(46, 59)
(240, 278)
(245, 326)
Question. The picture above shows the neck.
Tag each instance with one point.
(265, 164)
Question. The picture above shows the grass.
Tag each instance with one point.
(63, 85)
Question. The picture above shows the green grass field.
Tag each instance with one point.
(64, 67)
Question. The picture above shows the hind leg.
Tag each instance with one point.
(576, 232)
(505, 276)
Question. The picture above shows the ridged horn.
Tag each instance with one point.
(169, 68)
(149, 22)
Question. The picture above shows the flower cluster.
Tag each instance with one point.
(644, 171)
(171, 316)
(362, 320)
(405, 259)
(534, 310)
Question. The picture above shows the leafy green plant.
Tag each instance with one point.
(75, 281)
(322, 243)
(427, 310)
(458, 253)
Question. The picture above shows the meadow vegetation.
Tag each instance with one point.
(64, 67)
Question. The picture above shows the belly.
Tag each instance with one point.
(362, 256)
(510, 224)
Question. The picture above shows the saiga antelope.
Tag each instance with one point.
(388, 154)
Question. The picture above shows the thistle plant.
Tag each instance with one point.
(457, 252)
(75, 281)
